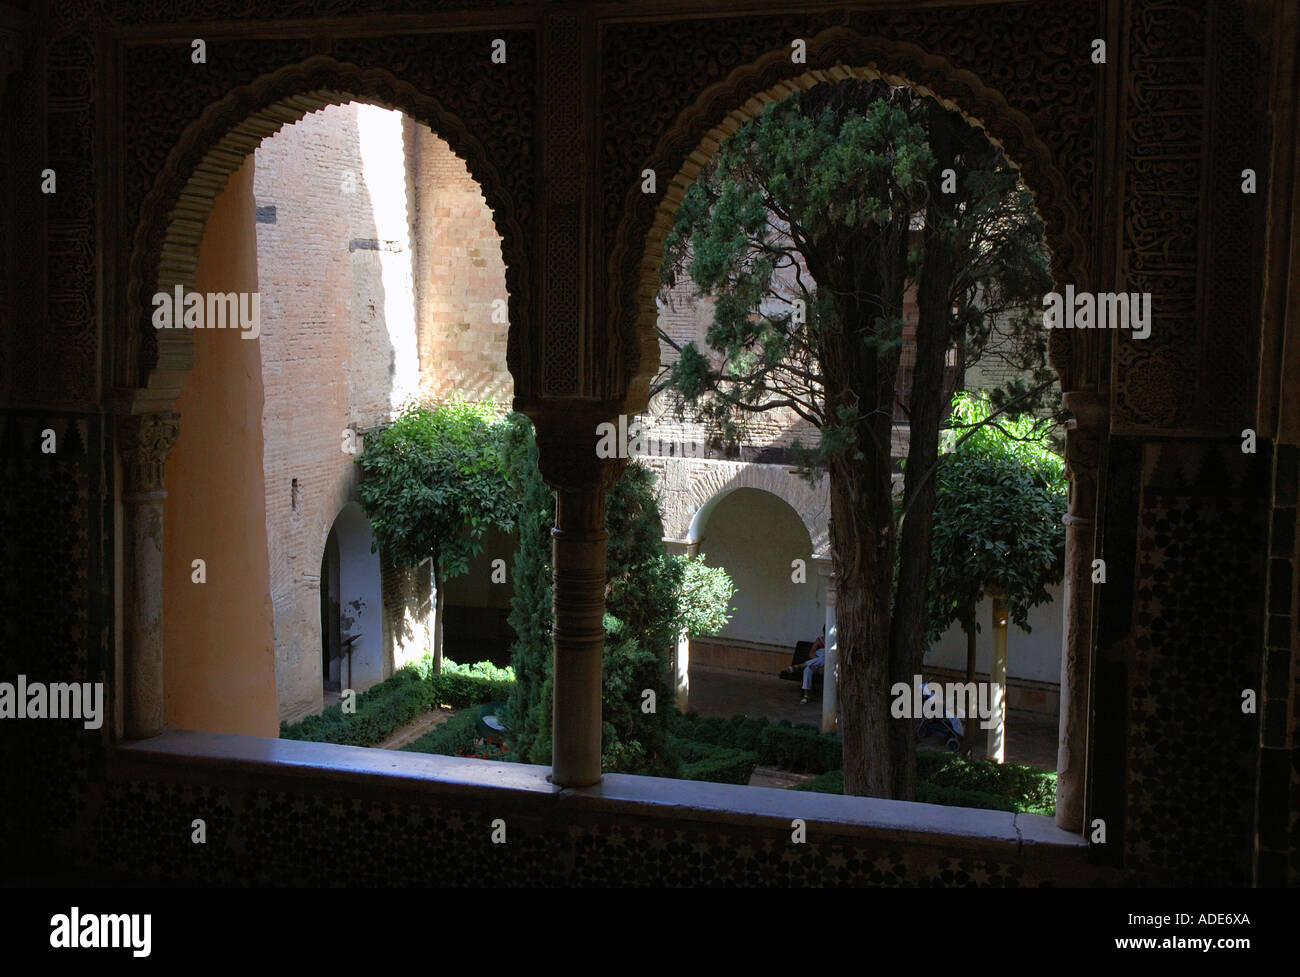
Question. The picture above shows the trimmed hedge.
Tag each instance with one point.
(1028, 789)
(380, 710)
(709, 762)
(451, 738)
(831, 782)
(727, 766)
(801, 749)
(948, 779)
(395, 701)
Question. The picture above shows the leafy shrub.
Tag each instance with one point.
(715, 764)
(800, 748)
(379, 710)
(948, 779)
(740, 732)
(465, 685)
(831, 782)
(1029, 789)
(728, 767)
(649, 597)
(395, 701)
(455, 737)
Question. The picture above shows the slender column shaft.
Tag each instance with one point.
(1082, 453)
(144, 443)
(578, 554)
(998, 679)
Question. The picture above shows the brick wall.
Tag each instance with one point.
(379, 267)
(337, 313)
(460, 274)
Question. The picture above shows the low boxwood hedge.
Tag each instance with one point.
(727, 767)
(713, 763)
(452, 738)
(395, 701)
(948, 779)
(801, 749)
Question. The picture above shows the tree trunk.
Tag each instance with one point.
(868, 278)
(934, 326)
(437, 619)
(862, 623)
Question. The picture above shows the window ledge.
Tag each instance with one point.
(988, 832)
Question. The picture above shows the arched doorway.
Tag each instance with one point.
(174, 217)
(352, 652)
(698, 133)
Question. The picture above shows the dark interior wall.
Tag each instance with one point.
(1179, 621)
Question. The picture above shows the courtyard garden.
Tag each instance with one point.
(712, 748)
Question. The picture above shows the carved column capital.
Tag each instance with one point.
(568, 435)
(146, 441)
(1083, 440)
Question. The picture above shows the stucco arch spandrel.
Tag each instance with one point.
(834, 55)
(690, 489)
(211, 148)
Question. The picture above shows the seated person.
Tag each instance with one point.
(815, 665)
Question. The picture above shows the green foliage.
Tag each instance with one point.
(1031, 790)
(829, 179)
(1000, 496)
(455, 737)
(649, 598)
(740, 732)
(715, 764)
(948, 779)
(397, 700)
(830, 782)
(530, 606)
(703, 596)
(801, 749)
(433, 482)
(464, 685)
(380, 710)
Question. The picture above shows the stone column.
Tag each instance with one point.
(144, 442)
(682, 659)
(568, 461)
(1082, 453)
(831, 674)
(998, 680)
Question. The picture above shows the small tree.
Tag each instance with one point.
(649, 598)
(808, 226)
(433, 482)
(1000, 496)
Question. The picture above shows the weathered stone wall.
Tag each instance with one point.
(380, 266)
(338, 347)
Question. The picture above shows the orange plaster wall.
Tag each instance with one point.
(218, 638)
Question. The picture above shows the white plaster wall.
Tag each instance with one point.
(1035, 656)
(689, 488)
(360, 596)
(756, 536)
